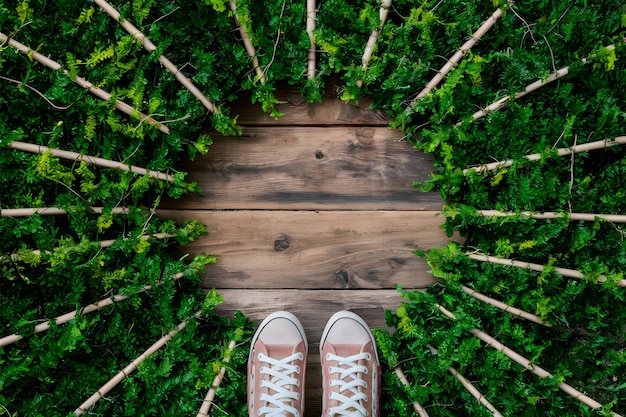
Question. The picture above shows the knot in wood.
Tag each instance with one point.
(342, 278)
(282, 243)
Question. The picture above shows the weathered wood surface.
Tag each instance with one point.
(313, 168)
(315, 250)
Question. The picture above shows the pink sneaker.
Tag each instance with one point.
(350, 367)
(276, 367)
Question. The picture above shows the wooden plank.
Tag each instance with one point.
(331, 112)
(310, 168)
(313, 309)
(315, 250)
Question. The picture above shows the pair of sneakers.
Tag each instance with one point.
(277, 361)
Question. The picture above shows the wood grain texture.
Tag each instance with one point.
(261, 249)
(312, 168)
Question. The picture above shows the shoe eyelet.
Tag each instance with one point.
(328, 356)
(368, 356)
(298, 369)
(258, 412)
(366, 371)
(297, 382)
(300, 356)
(367, 398)
(297, 396)
(365, 386)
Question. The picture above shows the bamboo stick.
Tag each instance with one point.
(98, 92)
(540, 372)
(74, 156)
(452, 62)
(585, 147)
(42, 327)
(416, 406)
(151, 47)
(52, 211)
(588, 217)
(210, 396)
(385, 5)
(112, 383)
(570, 273)
(558, 74)
(247, 43)
(503, 306)
(310, 27)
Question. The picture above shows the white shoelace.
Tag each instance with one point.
(349, 380)
(282, 383)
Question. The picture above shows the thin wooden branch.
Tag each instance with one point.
(151, 47)
(570, 273)
(587, 217)
(310, 27)
(385, 5)
(585, 147)
(210, 396)
(103, 244)
(98, 92)
(52, 211)
(84, 407)
(39, 93)
(416, 406)
(529, 89)
(556, 75)
(456, 58)
(74, 156)
(247, 43)
(540, 372)
(469, 387)
(475, 393)
(505, 307)
(42, 327)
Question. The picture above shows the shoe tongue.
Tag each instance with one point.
(280, 351)
(346, 350)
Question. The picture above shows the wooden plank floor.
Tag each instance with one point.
(312, 213)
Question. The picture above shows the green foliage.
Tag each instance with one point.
(582, 347)
(53, 265)
(585, 344)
